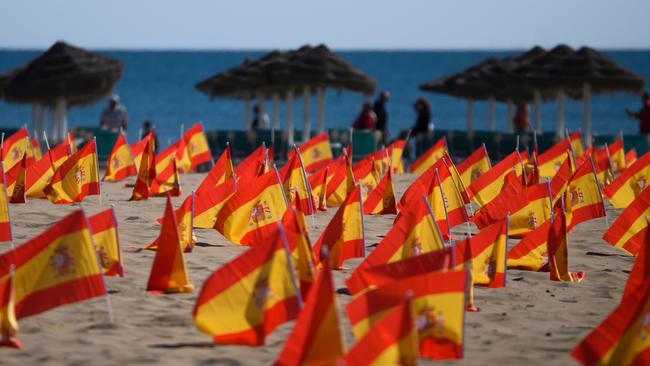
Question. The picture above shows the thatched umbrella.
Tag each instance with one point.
(62, 76)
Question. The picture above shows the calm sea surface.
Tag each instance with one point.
(159, 85)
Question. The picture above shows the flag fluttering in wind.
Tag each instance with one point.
(550, 161)
(396, 150)
(484, 255)
(107, 243)
(166, 181)
(196, 148)
(168, 272)
(221, 171)
(583, 199)
(381, 200)
(16, 181)
(8, 322)
(316, 153)
(558, 251)
(318, 184)
(474, 166)
(302, 256)
(430, 157)
(296, 184)
(640, 273)
(253, 165)
(208, 203)
(138, 148)
(489, 184)
(146, 172)
(629, 185)
(5, 222)
(340, 181)
(531, 252)
(40, 173)
(120, 162)
(76, 178)
(366, 175)
(626, 233)
(184, 219)
(14, 147)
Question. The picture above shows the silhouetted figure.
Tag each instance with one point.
(643, 116)
(260, 119)
(423, 122)
(382, 115)
(147, 127)
(366, 119)
(522, 119)
(114, 116)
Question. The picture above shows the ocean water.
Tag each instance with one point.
(159, 86)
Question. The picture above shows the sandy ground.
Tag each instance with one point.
(532, 321)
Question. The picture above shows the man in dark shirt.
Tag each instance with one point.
(382, 115)
(643, 116)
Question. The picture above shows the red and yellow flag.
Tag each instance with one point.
(296, 184)
(36, 149)
(5, 222)
(316, 337)
(641, 270)
(430, 157)
(630, 157)
(39, 173)
(120, 163)
(208, 203)
(531, 252)
(55, 268)
(365, 173)
(627, 186)
(168, 272)
(8, 322)
(260, 278)
(146, 173)
(446, 199)
(14, 147)
(251, 213)
(626, 233)
(253, 165)
(438, 304)
(107, 243)
(16, 181)
(396, 151)
(392, 340)
(381, 200)
(583, 200)
(302, 256)
(343, 236)
(184, 219)
(318, 184)
(550, 161)
(340, 181)
(474, 166)
(484, 254)
(623, 338)
(316, 153)
(138, 148)
(166, 182)
(76, 178)
(558, 251)
(616, 155)
(489, 184)
(576, 143)
(221, 171)
(196, 145)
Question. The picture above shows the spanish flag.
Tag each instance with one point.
(5, 222)
(60, 153)
(296, 184)
(626, 233)
(583, 198)
(630, 157)
(641, 269)
(138, 148)
(426, 160)
(531, 252)
(14, 147)
(107, 243)
(182, 156)
(120, 163)
(560, 180)
(316, 336)
(396, 151)
(343, 236)
(168, 272)
(8, 322)
(184, 217)
(55, 268)
(414, 233)
(76, 178)
(318, 184)
(16, 183)
(253, 210)
(627, 186)
(197, 146)
(36, 149)
(489, 184)
(381, 200)
(38, 174)
(558, 251)
(474, 166)
(623, 338)
(165, 158)
(316, 153)
(166, 182)
(146, 173)
(340, 181)
(221, 171)
(616, 155)
(253, 165)
(208, 203)
(576, 143)
(446, 200)
(550, 161)
(484, 254)
(366, 175)
(248, 297)
(367, 278)
(302, 256)
(438, 304)
(392, 340)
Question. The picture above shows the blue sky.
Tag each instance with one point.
(342, 24)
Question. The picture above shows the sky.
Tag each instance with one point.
(341, 24)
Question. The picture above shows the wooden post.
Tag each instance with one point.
(306, 126)
(538, 111)
(289, 127)
(275, 116)
(491, 121)
(510, 127)
(260, 104)
(247, 114)
(559, 127)
(470, 115)
(586, 113)
(320, 95)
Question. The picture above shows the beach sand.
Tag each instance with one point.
(532, 321)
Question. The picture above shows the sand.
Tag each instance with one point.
(532, 321)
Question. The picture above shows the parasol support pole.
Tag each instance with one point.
(559, 127)
(491, 121)
(538, 110)
(586, 113)
(306, 126)
(290, 139)
(247, 114)
(510, 128)
(320, 95)
(470, 115)
(260, 104)
(35, 120)
(275, 113)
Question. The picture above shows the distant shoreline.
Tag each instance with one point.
(395, 49)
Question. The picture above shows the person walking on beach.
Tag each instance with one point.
(147, 127)
(423, 122)
(382, 115)
(366, 119)
(643, 116)
(522, 120)
(113, 117)
(260, 119)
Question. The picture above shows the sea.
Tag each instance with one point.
(159, 86)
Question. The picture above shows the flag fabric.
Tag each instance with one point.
(343, 237)
(446, 199)
(138, 148)
(626, 233)
(103, 227)
(76, 178)
(60, 153)
(630, 157)
(414, 233)
(39, 173)
(367, 278)
(550, 161)
(253, 210)
(120, 163)
(340, 181)
(221, 171)
(629, 184)
(531, 252)
(36, 148)
(184, 218)
(16, 181)
(641, 269)
(8, 322)
(396, 151)
(165, 158)
(166, 182)
(260, 278)
(438, 304)
(381, 200)
(197, 146)
(426, 160)
(14, 147)
(302, 256)
(316, 337)
(623, 337)
(489, 184)
(484, 254)
(182, 156)
(316, 153)
(560, 180)
(146, 173)
(583, 200)
(392, 340)
(208, 203)
(5, 222)
(365, 174)
(318, 184)
(55, 268)
(474, 166)
(296, 184)
(576, 143)
(253, 165)
(558, 252)
(616, 154)
(168, 272)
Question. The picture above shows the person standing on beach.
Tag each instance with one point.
(260, 119)
(643, 116)
(366, 119)
(423, 122)
(522, 120)
(382, 115)
(113, 117)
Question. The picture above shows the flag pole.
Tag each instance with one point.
(99, 185)
(444, 204)
(277, 175)
(505, 271)
(307, 186)
(192, 219)
(602, 200)
(433, 218)
(120, 269)
(290, 266)
(4, 191)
